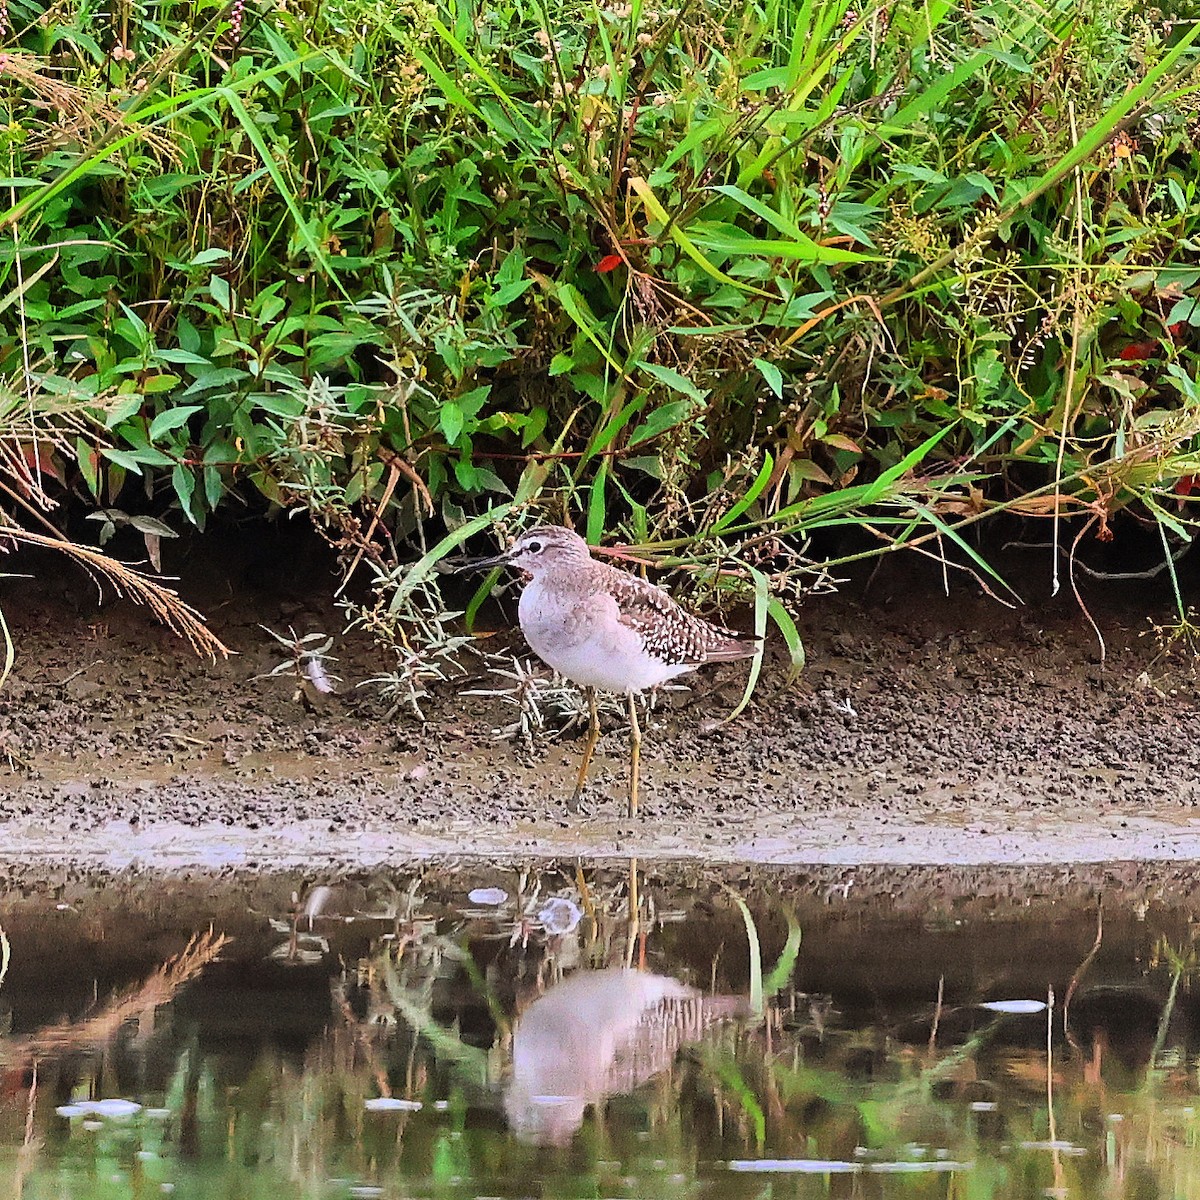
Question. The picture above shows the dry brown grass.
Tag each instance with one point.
(178, 616)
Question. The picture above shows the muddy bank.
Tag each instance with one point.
(925, 729)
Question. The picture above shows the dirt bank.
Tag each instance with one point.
(925, 729)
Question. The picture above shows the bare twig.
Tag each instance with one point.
(1075, 589)
(1081, 970)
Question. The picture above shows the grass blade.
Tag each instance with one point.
(419, 571)
(781, 973)
(755, 952)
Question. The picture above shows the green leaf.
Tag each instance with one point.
(667, 416)
(777, 221)
(486, 480)
(604, 436)
(753, 492)
(711, 128)
(171, 418)
(219, 290)
(1185, 309)
(150, 107)
(449, 88)
(213, 487)
(450, 418)
(184, 483)
(153, 384)
(735, 245)
(673, 380)
(881, 485)
(181, 357)
(122, 409)
(509, 292)
(957, 538)
(534, 425)
(471, 402)
(409, 579)
(531, 135)
(772, 374)
(29, 281)
(596, 505)
(791, 635)
(268, 159)
(762, 604)
(211, 255)
(134, 460)
(222, 377)
(926, 104)
(280, 404)
(577, 309)
(88, 468)
(684, 242)
(1176, 194)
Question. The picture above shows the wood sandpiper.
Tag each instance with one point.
(604, 628)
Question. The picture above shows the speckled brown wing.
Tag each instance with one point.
(670, 633)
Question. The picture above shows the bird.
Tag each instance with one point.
(605, 629)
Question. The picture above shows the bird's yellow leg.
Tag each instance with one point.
(585, 893)
(635, 926)
(589, 748)
(635, 754)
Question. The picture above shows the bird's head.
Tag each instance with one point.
(541, 549)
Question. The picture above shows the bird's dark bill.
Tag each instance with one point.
(483, 564)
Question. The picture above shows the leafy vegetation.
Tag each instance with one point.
(716, 277)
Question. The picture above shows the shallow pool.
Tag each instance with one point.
(605, 1031)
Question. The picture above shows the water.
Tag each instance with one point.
(492, 1033)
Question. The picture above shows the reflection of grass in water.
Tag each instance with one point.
(1159, 1120)
(1183, 964)
(858, 1096)
(288, 1128)
(447, 1045)
(137, 1003)
(783, 1086)
(763, 987)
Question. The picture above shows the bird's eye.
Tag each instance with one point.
(534, 547)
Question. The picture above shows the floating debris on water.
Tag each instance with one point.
(560, 915)
(1059, 1147)
(914, 1168)
(116, 1109)
(797, 1166)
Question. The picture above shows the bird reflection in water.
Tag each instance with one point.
(598, 1034)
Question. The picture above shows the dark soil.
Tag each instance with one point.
(925, 729)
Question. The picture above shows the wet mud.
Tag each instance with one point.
(925, 729)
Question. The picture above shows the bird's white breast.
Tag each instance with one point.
(582, 637)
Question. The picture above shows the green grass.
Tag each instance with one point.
(709, 278)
